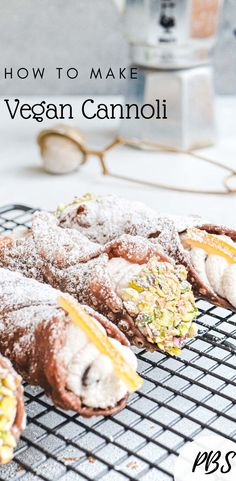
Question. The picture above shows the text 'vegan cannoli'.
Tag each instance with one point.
(130, 280)
(48, 349)
(12, 412)
(201, 247)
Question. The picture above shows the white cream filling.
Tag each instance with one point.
(229, 283)
(121, 273)
(90, 374)
(198, 257)
(216, 272)
(215, 268)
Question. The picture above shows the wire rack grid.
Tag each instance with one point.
(181, 398)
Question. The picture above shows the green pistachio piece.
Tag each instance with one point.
(78, 200)
(174, 351)
(193, 330)
(61, 207)
(162, 302)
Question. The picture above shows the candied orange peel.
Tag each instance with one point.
(88, 324)
(211, 244)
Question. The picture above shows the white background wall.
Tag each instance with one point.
(84, 33)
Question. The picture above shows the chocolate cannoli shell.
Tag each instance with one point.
(103, 219)
(169, 238)
(32, 335)
(129, 217)
(53, 376)
(19, 422)
(218, 230)
(72, 263)
(21, 256)
(88, 280)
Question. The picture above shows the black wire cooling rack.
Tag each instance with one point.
(181, 398)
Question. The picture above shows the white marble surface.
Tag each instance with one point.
(22, 179)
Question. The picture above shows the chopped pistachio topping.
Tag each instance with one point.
(77, 201)
(8, 403)
(162, 303)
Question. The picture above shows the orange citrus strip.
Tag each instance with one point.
(85, 322)
(211, 244)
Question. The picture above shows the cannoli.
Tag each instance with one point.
(104, 218)
(48, 349)
(130, 280)
(12, 412)
(211, 273)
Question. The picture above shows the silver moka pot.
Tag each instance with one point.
(171, 43)
(171, 33)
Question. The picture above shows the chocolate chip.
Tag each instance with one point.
(85, 376)
(80, 209)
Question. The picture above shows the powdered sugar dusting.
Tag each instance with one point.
(17, 292)
(25, 302)
(69, 261)
(106, 218)
(102, 219)
(33, 333)
(24, 305)
(21, 255)
(72, 263)
(62, 247)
